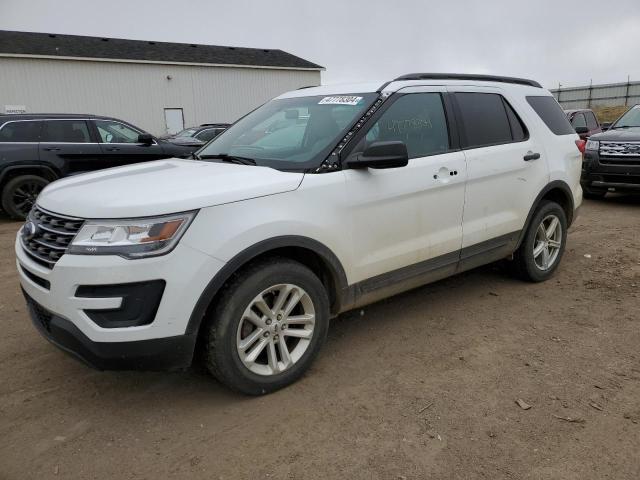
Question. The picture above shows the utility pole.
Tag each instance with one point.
(590, 92)
(559, 87)
(626, 95)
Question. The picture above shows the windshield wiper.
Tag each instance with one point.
(624, 126)
(195, 156)
(225, 157)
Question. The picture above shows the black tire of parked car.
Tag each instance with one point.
(523, 261)
(220, 354)
(20, 193)
(591, 194)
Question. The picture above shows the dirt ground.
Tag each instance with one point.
(423, 385)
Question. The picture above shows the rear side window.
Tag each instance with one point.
(592, 123)
(20, 132)
(551, 114)
(65, 131)
(485, 119)
(418, 120)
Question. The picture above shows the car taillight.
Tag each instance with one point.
(581, 144)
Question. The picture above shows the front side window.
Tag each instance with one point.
(592, 123)
(291, 133)
(578, 120)
(27, 131)
(485, 119)
(65, 131)
(115, 132)
(418, 120)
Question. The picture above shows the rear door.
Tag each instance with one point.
(68, 144)
(119, 144)
(506, 169)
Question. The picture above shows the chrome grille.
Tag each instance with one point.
(48, 236)
(621, 153)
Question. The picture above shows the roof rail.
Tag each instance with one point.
(468, 76)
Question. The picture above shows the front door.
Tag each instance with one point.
(174, 120)
(409, 216)
(68, 144)
(119, 145)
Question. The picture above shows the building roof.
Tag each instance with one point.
(77, 46)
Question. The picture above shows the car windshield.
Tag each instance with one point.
(291, 133)
(187, 132)
(629, 119)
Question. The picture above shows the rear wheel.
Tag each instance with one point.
(267, 327)
(20, 193)
(541, 250)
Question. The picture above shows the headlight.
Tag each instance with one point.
(137, 238)
(592, 145)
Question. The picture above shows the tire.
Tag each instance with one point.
(20, 193)
(530, 266)
(592, 194)
(228, 330)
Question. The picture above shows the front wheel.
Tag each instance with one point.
(541, 250)
(267, 327)
(20, 193)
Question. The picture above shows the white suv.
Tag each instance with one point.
(322, 200)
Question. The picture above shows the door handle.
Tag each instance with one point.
(52, 149)
(531, 156)
(442, 173)
(113, 149)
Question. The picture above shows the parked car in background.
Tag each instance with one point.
(246, 255)
(197, 136)
(36, 149)
(584, 121)
(612, 158)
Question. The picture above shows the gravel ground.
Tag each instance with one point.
(422, 385)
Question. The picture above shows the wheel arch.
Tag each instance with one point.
(311, 253)
(557, 191)
(13, 171)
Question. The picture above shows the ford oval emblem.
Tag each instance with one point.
(29, 230)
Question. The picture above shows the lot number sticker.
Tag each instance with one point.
(340, 100)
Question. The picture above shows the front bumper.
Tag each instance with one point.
(609, 175)
(168, 353)
(79, 322)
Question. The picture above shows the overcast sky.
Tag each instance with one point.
(551, 41)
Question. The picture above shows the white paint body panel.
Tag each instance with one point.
(162, 186)
(374, 221)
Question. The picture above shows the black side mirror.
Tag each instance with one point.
(145, 138)
(605, 126)
(381, 155)
(582, 130)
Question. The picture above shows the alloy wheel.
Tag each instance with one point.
(25, 195)
(548, 241)
(276, 329)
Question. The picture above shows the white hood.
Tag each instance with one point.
(160, 187)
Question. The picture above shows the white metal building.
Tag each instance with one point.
(157, 86)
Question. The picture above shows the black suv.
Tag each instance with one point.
(612, 158)
(40, 148)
